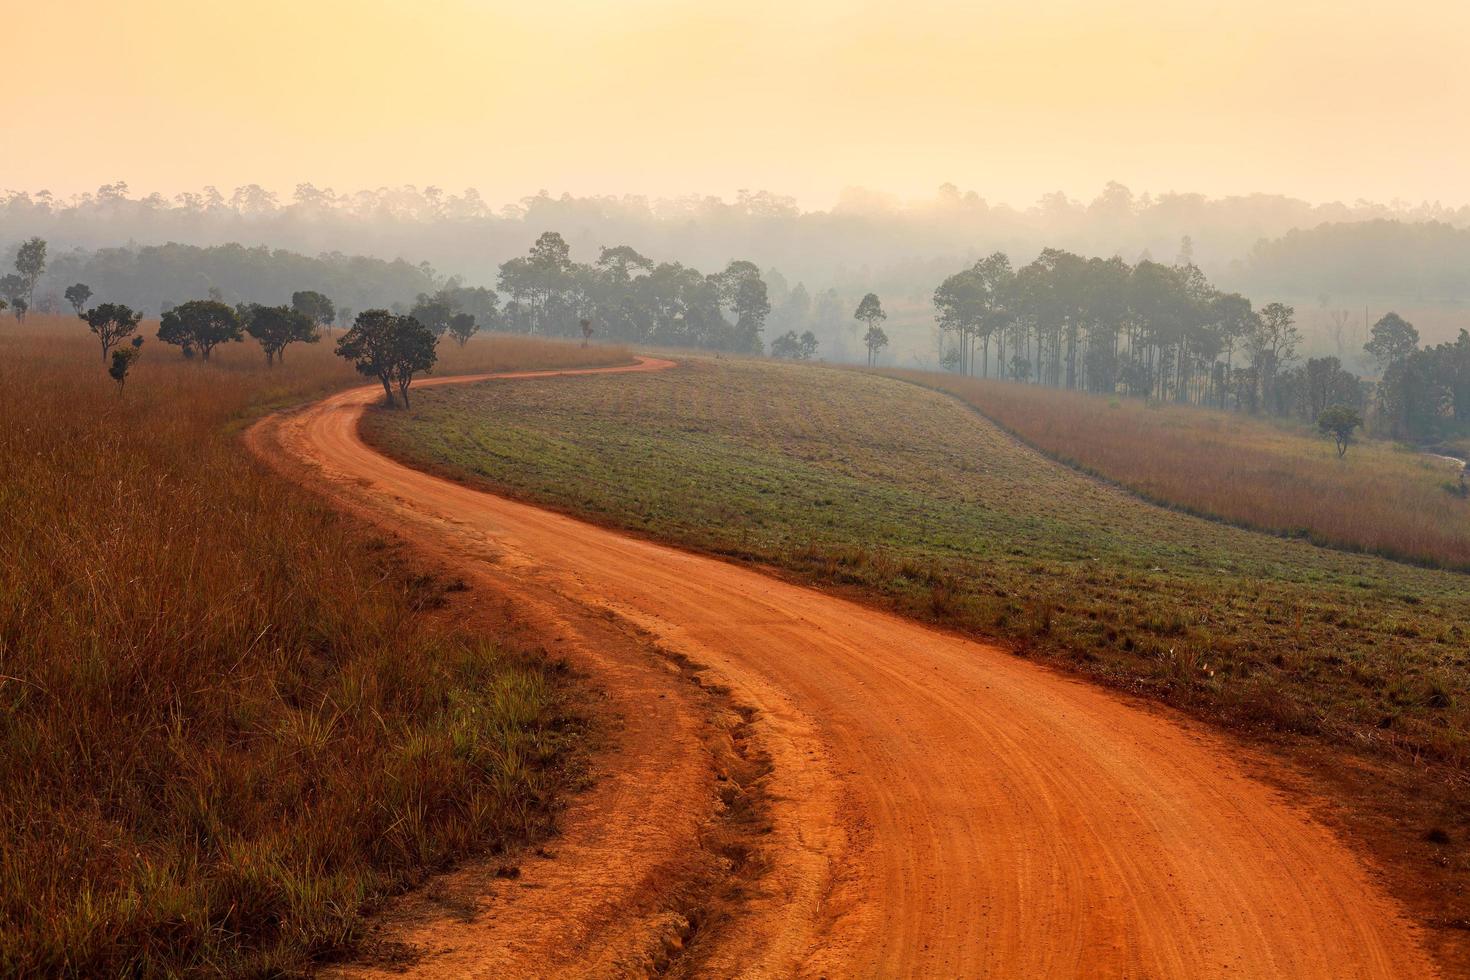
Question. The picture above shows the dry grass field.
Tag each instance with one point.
(902, 496)
(230, 721)
(1380, 498)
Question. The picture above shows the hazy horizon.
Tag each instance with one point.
(1320, 102)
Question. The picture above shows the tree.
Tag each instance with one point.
(13, 289)
(122, 362)
(315, 305)
(960, 300)
(434, 312)
(540, 281)
(870, 312)
(586, 331)
(1339, 421)
(1273, 344)
(462, 327)
(112, 323)
(792, 347)
(30, 262)
(1393, 339)
(390, 348)
(276, 327)
(199, 326)
(77, 295)
(744, 292)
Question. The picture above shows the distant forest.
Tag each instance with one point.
(864, 242)
(154, 278)
(1425, 262)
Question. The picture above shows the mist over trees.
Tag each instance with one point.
(153, 278)
(625, 296)
(1162, 332)
(1420, 262)
(865, 241)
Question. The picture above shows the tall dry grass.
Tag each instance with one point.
(228, 724)
(1380, 498)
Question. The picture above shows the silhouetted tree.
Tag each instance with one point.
(390, 348)
(744, 292)
(30, 262)
(870, 312)
(77, 295)
(1339, 421)
(462, 327)
(122, 362)
(277, 327)
(1392, 339)
(586, 331)
(112, 323)
(199, 326)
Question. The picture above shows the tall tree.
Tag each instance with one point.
(870, 312)
(1392, 339)
(112, 323)
(1272, 345)
(743, 292)
(199, 326)
(390, 348)
(30, 262)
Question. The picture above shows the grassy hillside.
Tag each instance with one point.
(1380, 498)
(906, 497)
(230, 721)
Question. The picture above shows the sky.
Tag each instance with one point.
(1325, 101)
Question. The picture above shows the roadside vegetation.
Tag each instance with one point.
(902, 496)
(231, 721)
(1275, 476)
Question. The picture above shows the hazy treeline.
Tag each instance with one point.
(624, 295)
(1423, 262)
(155, 277)
(865, 241)
(1424, 393)
(1148, 329)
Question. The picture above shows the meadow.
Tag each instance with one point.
(902, 496)
(232, 721)
(1272, 476)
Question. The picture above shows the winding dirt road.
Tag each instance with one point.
(942, 808)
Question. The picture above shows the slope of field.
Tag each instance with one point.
(907, 498)
(1381, 498)
(230, 721)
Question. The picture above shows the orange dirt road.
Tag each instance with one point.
(941, 808)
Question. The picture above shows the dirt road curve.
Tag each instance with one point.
(943, 808)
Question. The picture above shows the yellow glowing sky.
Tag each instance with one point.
(1324, 100)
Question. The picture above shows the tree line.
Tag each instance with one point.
(625, 296)
(1164, 332)
(1149, 329)
(864, 241)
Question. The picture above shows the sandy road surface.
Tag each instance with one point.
(942, 808)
